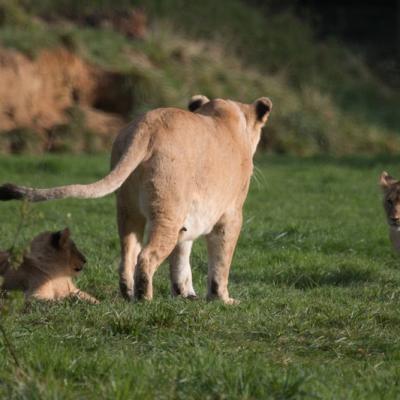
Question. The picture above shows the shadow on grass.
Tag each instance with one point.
(344, 276)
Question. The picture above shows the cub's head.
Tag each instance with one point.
(56, 254)
(391, 199)
(249, 118)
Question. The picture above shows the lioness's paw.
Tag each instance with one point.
(127, 292)
(225, 300)
(230, 301)
(191, 297)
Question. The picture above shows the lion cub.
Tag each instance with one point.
(47, 269)
(391, 204)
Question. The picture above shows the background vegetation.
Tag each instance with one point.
(327, 100)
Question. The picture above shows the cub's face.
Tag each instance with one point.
(57, 254)
(391, 199)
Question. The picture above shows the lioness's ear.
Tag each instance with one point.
(386, 180)
(197, 101)
(263, 107)
(59, 239)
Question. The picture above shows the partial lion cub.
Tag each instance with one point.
(391, 204)
(47, 270)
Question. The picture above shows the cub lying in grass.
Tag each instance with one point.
(391, 204)
(47, 270)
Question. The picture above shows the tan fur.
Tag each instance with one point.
(184, 175)
(47, 270)
(391, 205)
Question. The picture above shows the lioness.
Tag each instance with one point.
(391, 204)
(47, 270)
(185, 174)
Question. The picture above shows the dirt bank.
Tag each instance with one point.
(42, 95)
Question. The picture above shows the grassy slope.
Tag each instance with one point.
(326, 99)
(313, 269)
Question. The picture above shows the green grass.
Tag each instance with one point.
(318, 284)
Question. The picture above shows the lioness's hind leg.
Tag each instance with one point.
(180, 271)
(162, 240)
(131, 229)
(221, 243)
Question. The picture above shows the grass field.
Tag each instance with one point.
(319, 289)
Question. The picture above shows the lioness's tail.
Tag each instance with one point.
(135, 153)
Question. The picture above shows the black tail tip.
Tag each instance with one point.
(8, 191)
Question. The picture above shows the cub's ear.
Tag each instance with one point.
(197, 101)
(386, 180)
(263, 107)
(60, 239)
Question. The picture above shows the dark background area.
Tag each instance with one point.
(369, 28)
(371, 25)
